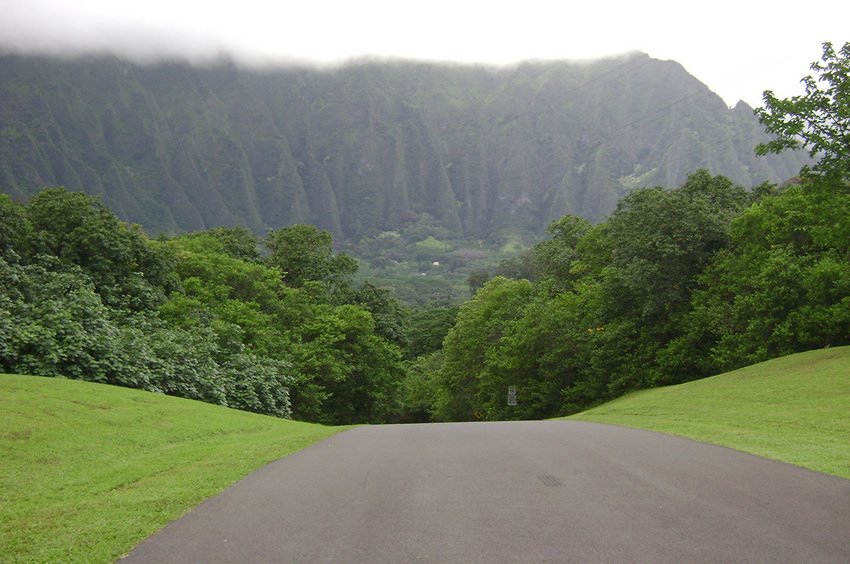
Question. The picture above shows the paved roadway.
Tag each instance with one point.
(547, 491)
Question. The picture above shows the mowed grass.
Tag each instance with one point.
(795, 409)
(87, 471)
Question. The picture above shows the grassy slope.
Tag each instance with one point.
(795, 409)
(87, 471)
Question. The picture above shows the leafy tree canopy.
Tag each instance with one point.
(238, 242)
(128, 271)
(556, 255)
(14, 226)
(304, 253)
(819, 120)
(662, 239)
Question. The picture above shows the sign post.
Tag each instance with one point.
(511, 396)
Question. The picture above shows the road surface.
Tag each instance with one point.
(545, 491)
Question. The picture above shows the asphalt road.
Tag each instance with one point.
(548, 491)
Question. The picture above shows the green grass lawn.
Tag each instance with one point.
(795, 409)
(87, 471)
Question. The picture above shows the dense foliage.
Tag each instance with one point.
(676, 285)
(201, 316)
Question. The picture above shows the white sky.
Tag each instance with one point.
(738, 49)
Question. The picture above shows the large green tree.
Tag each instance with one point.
(15, 229)
(555, 256)
(304, 253)
(346, 373)
(472, 388)
(241, 305)
(818, 120)
(661, 239)
(783, 286)
(127, 270)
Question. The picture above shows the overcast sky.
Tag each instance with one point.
(738, 49)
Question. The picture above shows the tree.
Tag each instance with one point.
(204, 258)
(389, 315)
(783, 287)
(544, 355)
(662, 239)
(237, 242)
(819, 120)
(471, 346)
(304, 253)
(420, 390)
(127, 270)
(557, 254)
(15, 229)
(476, 280)
(52, 323)
(345, 373)
(257, 383)
(427, 328)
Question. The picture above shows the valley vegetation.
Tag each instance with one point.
(677, 284)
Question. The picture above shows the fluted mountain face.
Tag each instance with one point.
(370, 146)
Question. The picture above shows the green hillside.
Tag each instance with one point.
(87, 471)
(795, 409)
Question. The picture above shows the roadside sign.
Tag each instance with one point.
(511, 396)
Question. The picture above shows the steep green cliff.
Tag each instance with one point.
(370, 146)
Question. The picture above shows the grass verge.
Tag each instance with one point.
(795, 409)
(87, 471)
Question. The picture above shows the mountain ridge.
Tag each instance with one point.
(489, 152)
